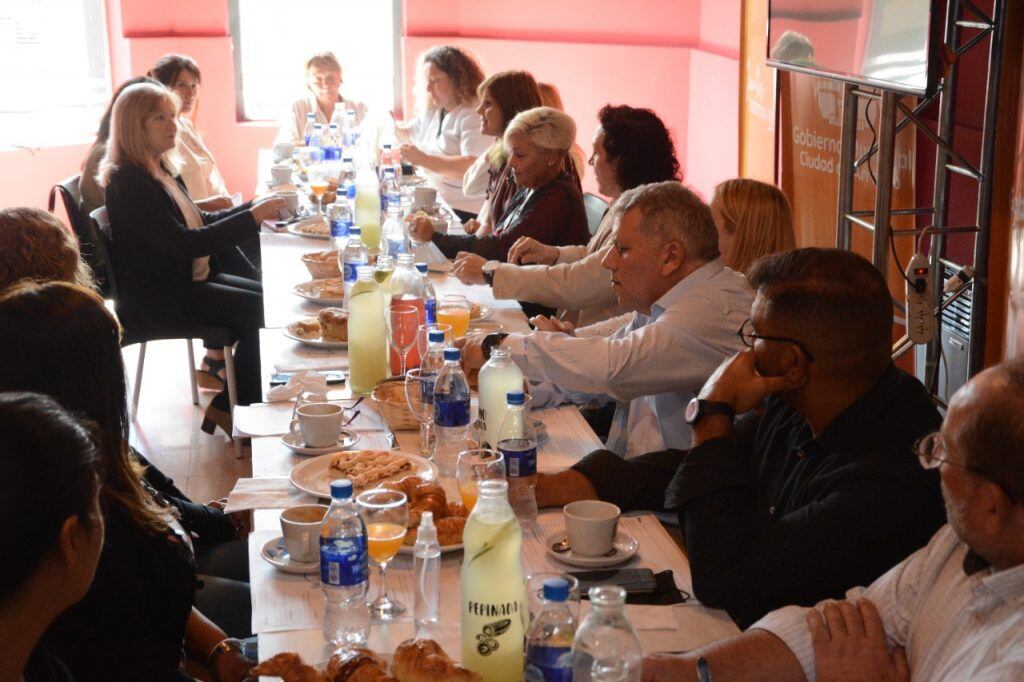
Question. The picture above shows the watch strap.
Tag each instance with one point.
(489, 342)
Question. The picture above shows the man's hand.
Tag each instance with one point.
(469, 268)
(472, 351)
(528, 250)
(737, 383)
(850, 645)
(471, 226)
(421, 230)
(558, 490)
(552, 324)
(412, 154)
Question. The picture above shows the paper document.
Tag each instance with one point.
(281, 601)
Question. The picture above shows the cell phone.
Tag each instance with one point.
(633, 580)
(334, 376)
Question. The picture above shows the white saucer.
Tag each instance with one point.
(625, 546)
(346, 439)
(275, 554)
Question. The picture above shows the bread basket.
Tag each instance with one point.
(322, 264)
(389, 398)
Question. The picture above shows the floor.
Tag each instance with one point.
(167, 428)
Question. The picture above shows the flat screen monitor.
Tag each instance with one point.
(880, 43)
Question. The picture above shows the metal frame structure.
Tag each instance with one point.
(962, 16)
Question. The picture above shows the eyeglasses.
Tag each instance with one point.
(749, 336)
(929, 451)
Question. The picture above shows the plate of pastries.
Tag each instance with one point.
(326, 291)
(449, 516)
(365, 468)
(329, 329)
(415, 660)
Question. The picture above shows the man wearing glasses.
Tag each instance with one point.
(954, 610)
(814, 488)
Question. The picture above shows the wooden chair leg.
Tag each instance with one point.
(137, 388)
(229, 370)
(192, 372)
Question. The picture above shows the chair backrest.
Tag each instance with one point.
(596, 207)
(101, 227)
(89, 243)
(71, 197)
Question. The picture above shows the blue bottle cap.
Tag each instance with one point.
(515, 398)
(435, 336)
(341, 489)
(422, 268)
(556, 589)
(452, 354)
(355, 229)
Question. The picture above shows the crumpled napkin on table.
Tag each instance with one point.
(306, 380)
(271, 492)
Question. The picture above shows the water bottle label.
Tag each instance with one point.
(519, 463)
(343, 561)
(339, 228)
(451, 412)
(431, 311)
(427, 380)
(548, 664)
(349, 271)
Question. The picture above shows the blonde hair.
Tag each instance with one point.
(545, 127)
(550, 97)
(759, 217)
(36, 245)
(325, 61)
(127, 143)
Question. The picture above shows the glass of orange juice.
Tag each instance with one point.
(318, 185)
(475, 466)
(385, 514)
(454, 310)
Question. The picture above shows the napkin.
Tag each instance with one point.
(307, 380)
(272, 492)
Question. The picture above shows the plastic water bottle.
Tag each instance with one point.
(426, 571)
(344, 572)
(316, 138)
(391, 191)
(451, 412)
(498, 377)
(341, 223)
(309, 128)
(354, 255)
(350, 131)
(347, 172)
(332, 143)
(430, 366)
(429, 295)
(549, 642)
(606, 648)
(394, 239)
(517, 442)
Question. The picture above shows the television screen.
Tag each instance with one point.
(881, 43)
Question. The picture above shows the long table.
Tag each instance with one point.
(296, 599)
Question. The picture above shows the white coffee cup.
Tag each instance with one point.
(283, 151)
(291, 199)
(300, 527)
(281, 173)
(318, 424)
(591, 526)
(424, 197)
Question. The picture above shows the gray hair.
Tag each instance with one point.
(673, 212)
(545, 127)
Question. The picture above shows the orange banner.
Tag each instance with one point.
(757, 96)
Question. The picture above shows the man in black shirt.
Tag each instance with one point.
(820, 490)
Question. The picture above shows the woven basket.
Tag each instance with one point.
(322, 264)
(389, 398)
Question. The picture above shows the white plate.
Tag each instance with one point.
(625, 546)
(296, 229)
(346, 439)
(276, 554)
(445, 549)
(290, 332)
(314, 476)
(306, 291)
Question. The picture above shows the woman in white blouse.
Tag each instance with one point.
(445, 137)
(323, 80)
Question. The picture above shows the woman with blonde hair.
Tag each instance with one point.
(163, 243)
(548, 205)
(323, 81)
(753, 219)
(444, 138)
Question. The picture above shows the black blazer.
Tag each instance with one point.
(153, 248)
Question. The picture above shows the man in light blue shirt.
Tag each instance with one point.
(689, 307)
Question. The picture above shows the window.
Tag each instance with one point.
(273, 40)
(54, 72)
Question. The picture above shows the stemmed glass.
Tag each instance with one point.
(402, 322)
(385, 513)
(454, 309)
(318, 184)
(422, 340)
(419, 393)
(475, 466)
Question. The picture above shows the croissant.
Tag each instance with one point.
(423, 660)
(357, 665)
(290, 667)
(456, 509)
(449, 531)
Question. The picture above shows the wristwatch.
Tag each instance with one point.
(488, 268)
(698, 408)
(489, 342)
(223, 646)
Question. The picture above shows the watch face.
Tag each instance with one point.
(692, 410)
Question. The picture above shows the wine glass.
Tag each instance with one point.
(454, 309)
(318, 184)
(402, 321)
(385, 513)
(424, 330)
(419, 393)
(475, 466)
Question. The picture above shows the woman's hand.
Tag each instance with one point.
(412, 154)
(471, 226)
(469, 268)
(421, 230)
(213, 204)
(553, 324)
(267, 209)
(232, 666)
(528, 250)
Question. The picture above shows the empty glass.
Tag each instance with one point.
(419, 394)
(425, 329)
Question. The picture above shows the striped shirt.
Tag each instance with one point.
(953, 625)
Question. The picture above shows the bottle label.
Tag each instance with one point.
(450, 411)
(343, 561)
(349, 271)
(427, 380)
(519, 463)
(339, 228)
(548, 664)
(431, 310)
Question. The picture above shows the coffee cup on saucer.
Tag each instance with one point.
(291, 200)
(281, 173)
(317, 424)
(591, 526)
(300, 527)
(283, 151)
(423, 197)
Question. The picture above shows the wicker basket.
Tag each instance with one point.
(389, 398)
(322, 264)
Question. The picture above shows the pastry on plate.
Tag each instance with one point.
(307, 329)
(333, 324)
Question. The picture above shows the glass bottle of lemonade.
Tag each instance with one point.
(493, 593)
(367, 336)
(368, 206)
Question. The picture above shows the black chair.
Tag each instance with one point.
(140, 330)
(596, 207)
(89, 243)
